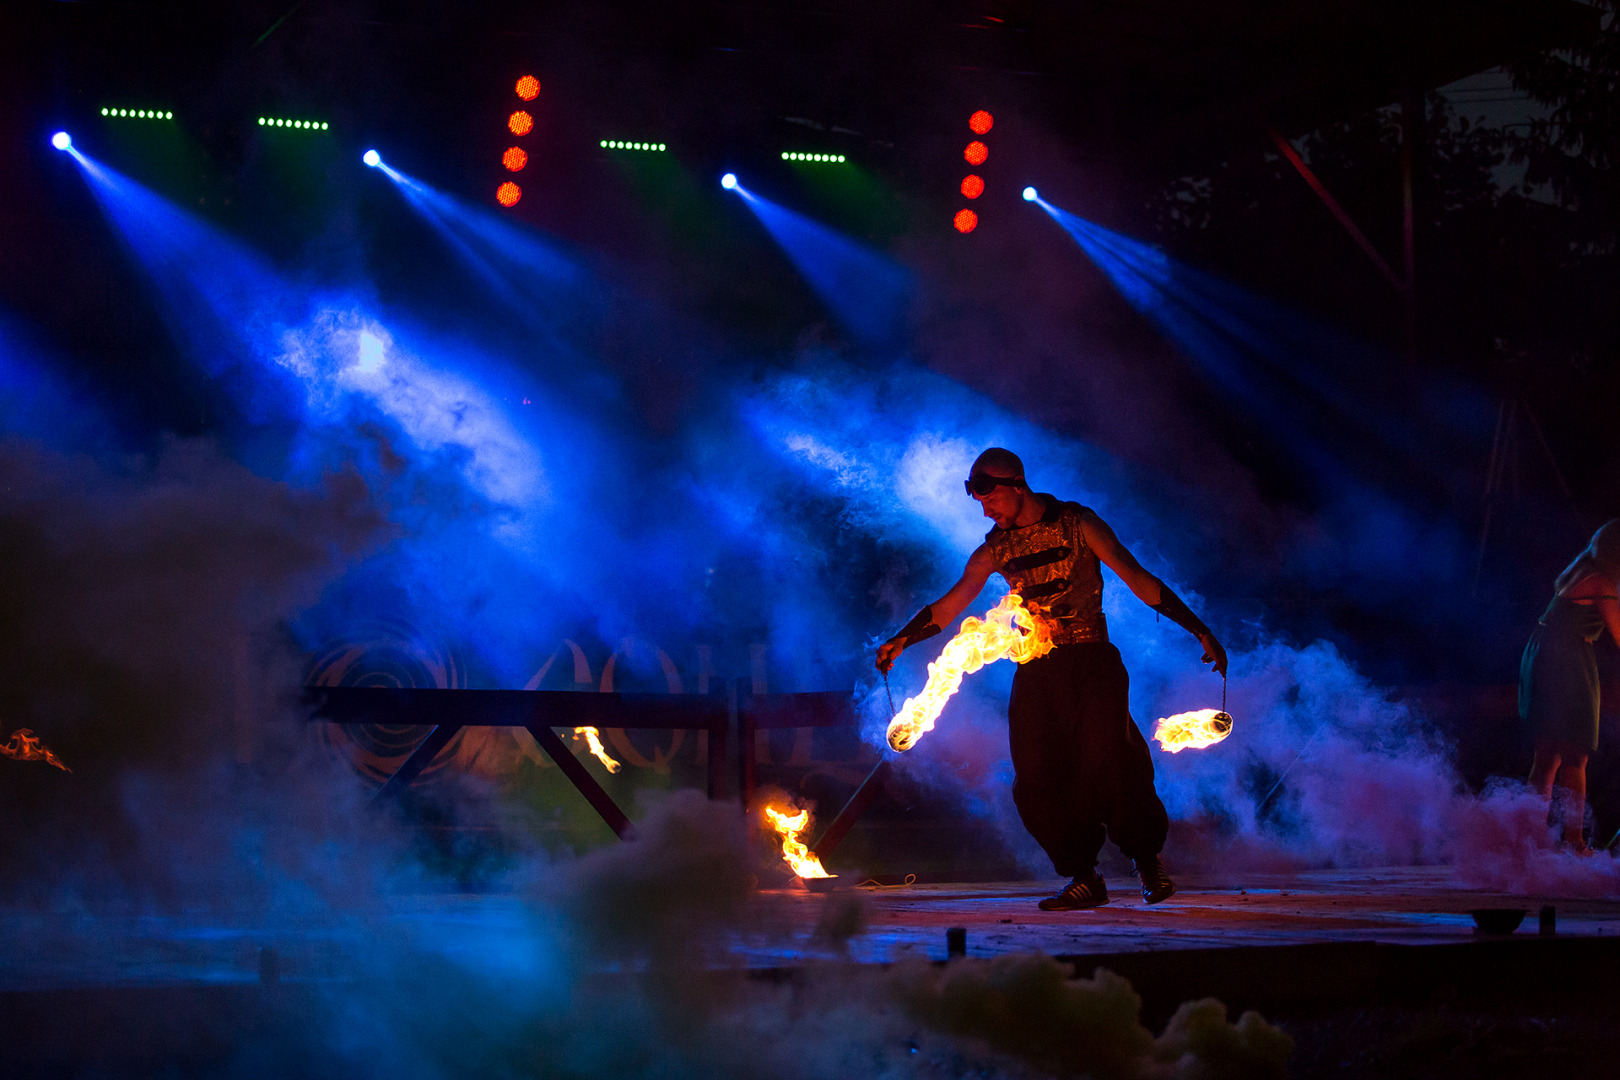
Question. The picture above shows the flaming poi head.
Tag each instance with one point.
(794, 853)
(23, 746)
(1192, 730)
(1008, 631)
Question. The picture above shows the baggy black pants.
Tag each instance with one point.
(1083, 771)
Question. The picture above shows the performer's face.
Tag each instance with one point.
(1001, 503)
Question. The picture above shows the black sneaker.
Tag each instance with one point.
(1156, 884)
(1082, 892)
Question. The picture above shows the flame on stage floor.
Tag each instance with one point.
(794, 853)
(1008, 631)
(1192, 730)
(23, 746)
(593, 739)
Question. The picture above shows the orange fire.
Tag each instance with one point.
(794, 853)
(593, 739)
(23, 746)
(1008, 631)
(1192, 730)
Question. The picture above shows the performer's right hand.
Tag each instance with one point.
(887, 654)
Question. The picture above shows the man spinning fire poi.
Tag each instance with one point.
(1082, 769)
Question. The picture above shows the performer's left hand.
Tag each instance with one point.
(1213, 653)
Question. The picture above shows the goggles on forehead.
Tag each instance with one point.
(984, 483)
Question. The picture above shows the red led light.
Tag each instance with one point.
(966, 221)
(972, 185)
(981, 122)
(514, 158)
(508, 194)
(528, 88)
(520, 123)
(976, 153)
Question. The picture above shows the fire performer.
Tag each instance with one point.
(1558, 677)
(1083, 773)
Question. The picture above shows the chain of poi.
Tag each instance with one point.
(1008, 631)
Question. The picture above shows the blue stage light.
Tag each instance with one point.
(1030, 194)
(61, 140)
(728, 181)
(372, 158)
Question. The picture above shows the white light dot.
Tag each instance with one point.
(103, 112)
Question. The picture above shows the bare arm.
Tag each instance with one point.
(1599, 591)
(943, 612)
(1610, 610)
(1146, 587)
(1149, 589)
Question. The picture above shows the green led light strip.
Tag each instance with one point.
(831, 159)
(620, 144)
(139, 114)
(281, 122)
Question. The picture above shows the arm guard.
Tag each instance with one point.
(1171, 607)
(920, 628)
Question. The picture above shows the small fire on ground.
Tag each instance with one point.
(23, 746)
(794, 853)
(1192, 730)
(1008, 631)
(593, 739)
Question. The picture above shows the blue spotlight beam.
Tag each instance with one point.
(1253, 348)
(868, 293)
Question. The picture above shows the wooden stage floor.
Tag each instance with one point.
(1398, 906)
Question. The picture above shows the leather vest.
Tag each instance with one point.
(1052, 567)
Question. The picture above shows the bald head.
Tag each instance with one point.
(998, 462)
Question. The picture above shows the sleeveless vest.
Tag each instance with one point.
(1052, 567)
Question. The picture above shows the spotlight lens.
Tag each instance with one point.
(508, 194)
(728, 181)
(976, 153)
(965, 221)
(1030, 194)
(981, 122)
(520, 123)
(372, 158)
(61, 140)
(528, 88)
(514, 158)
(973, 185)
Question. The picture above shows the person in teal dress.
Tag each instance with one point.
(1558, 678)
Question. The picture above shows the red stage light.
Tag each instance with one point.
(976, 152)
(972, 185)
(508, 194)
(981, 122)
(966, 221)
(514, 158)
(520, 123)
(528, 88)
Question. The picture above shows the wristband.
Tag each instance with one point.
(920, 628)
(1171, 607)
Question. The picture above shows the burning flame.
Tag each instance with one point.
(1192, 730)
(794, 853)
(593, 739)
(23, 746)
(1008, 631)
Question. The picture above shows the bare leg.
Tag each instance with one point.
(1572, 778)
(1544, 767)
